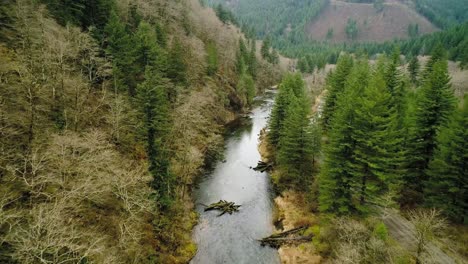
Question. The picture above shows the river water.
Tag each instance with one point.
(232, 238)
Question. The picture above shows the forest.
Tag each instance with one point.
(108, 112)
(388, 137)
(112, 114)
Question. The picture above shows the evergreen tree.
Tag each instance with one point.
(374, 137)
(296, 143)
(119, 46)
(278, 113)
(154, 106)
(413, 69)
(177, 67)
(265, 49)
(446, 187)
(336, 177)
(246, 88)
(211, 58)
(253, 59)
(434, 105)
(335, 85)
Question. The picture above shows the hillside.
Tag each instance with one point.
(108, 111)
(390, 23)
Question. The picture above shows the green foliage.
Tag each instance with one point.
(85, 14)
(351, 29)
(278, 113)
(413, 30)
(119, 46)
(413, 69)
(211, 58)
(335, 84)
(295, 150)
(381, 231)
(267, 54)
(443, 13)
(177, 67)
(434, 106)
(292, 133)
(335, 194)
(246, 88)
(446, 187)
(225, 15)
(330, 33)
(366, 113)
(152, 99)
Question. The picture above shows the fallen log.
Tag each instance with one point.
(279, 241)
(286, 237)
(224, 207)
(289, 232)
(263, 166)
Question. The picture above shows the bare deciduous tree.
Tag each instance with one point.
(427, 224)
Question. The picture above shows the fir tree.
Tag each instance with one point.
(434, 105)
(336, 178)
(295, 148)
(119, 46)
(265, 49)
(413, 69)
(154, 106)
(446, 187)
(177, 67)
(211, 58)
(336, 83)
(278, 113)
(374, 137)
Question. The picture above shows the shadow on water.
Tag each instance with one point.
(233, 238)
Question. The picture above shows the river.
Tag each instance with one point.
(232, 238)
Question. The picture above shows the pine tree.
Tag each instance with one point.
(154, 106)
(374, 137)
(265, 49)
(446, 187)
(119, 46)
(246, 88)
(434, 105)
(413, 69)
(296, 143)
(335, 87)
(177, 67)
(211, 58)
(336, 177)
(253, 60)
(278, 113)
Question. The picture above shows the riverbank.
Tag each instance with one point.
(291, 211)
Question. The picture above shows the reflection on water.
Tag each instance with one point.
(232, 238)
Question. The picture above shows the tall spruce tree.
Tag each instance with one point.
(335, 86)
(152, 98)
(435, 102)
(296, 143)
(119, 46)
(446, 187)
(278, 113)
(374, 136)
(413, 69)
(336, 177)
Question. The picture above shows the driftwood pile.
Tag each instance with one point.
(287, 237)
(263, 166)
(224, 207)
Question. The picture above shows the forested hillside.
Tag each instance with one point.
(443, 13)
(388, 137)
(108, 110)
